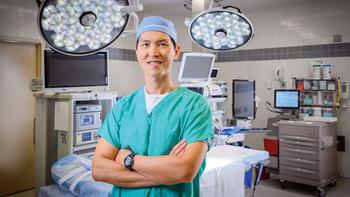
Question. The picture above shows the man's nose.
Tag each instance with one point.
(153, 50)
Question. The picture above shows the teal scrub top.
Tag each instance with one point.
(182, 114)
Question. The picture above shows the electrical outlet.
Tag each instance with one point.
(341, 143)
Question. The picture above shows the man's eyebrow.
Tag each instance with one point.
(161, 40)
(164, 40)
(144, 41)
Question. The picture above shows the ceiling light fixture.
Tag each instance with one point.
(83, 27)
(221, 29)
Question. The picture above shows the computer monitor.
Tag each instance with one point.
(63, 73)
(243, 99)
(287, 99)
(196, 67)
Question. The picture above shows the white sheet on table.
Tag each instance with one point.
(222, 178)
(249, 157)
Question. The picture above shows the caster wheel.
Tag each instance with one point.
(321, 192)
(283, 184)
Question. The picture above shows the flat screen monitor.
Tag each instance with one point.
(243, 99)
(196, 67)
(286, 99)
(62, 73)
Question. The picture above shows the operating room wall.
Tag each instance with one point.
(183, 38)
(306, 24)
(125, 76)
(303, 24)
(18, 20)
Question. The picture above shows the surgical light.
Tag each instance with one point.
(81, 27)
(221, 29)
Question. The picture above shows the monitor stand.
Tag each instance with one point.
(244, 123)
(272, 122)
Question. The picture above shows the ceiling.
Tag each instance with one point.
(177, 6)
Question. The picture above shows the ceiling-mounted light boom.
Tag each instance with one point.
(221, 29)
(82, 27)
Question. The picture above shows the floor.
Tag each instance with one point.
(271, 188)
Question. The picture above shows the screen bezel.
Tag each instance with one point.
(194, 80)
(73, 88)
(233, 104)
(286, 90)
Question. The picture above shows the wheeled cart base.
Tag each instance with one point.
(321, 187)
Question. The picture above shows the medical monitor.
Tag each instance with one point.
(196, 67)
(63, 73)
(243, 99)
(286, 99)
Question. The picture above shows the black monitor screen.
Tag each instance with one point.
(243, 99)
(214, 73)
(286, 99)
(62, 71)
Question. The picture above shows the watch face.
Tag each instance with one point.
(127, 161)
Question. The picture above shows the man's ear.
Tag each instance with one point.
(177, 52)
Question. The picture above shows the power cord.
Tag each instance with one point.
(270, 108)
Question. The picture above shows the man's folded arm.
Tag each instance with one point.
(171, 169)
(106, 169)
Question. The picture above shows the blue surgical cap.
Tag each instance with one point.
(156, 23)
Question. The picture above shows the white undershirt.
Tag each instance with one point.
(152, 100)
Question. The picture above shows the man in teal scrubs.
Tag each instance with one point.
(154, 141)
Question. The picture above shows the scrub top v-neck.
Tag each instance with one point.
(182, 114)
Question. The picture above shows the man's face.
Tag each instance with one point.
(155, 53)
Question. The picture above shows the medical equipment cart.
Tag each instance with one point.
(308, 153)
(65, 124)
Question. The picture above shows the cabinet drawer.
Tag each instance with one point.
(299, 152)
(299, 162)
(300, 172)
(299, 138)
(296, 130)
(298, 143)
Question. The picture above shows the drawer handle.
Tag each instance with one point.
(299, 143)
(300, 151)
(298, 138)
(301, 170)
(301, 161)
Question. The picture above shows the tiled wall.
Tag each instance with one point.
(295, 52)
(280, 53)
(121, 54)
(126, 54)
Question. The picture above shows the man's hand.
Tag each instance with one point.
(178, 149)
(122, 153)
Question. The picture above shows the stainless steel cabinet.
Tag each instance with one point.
(308, 153)
(54, 128)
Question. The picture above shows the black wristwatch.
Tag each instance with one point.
(129, 161)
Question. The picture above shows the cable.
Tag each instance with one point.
(38, 2)
(269, 107)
